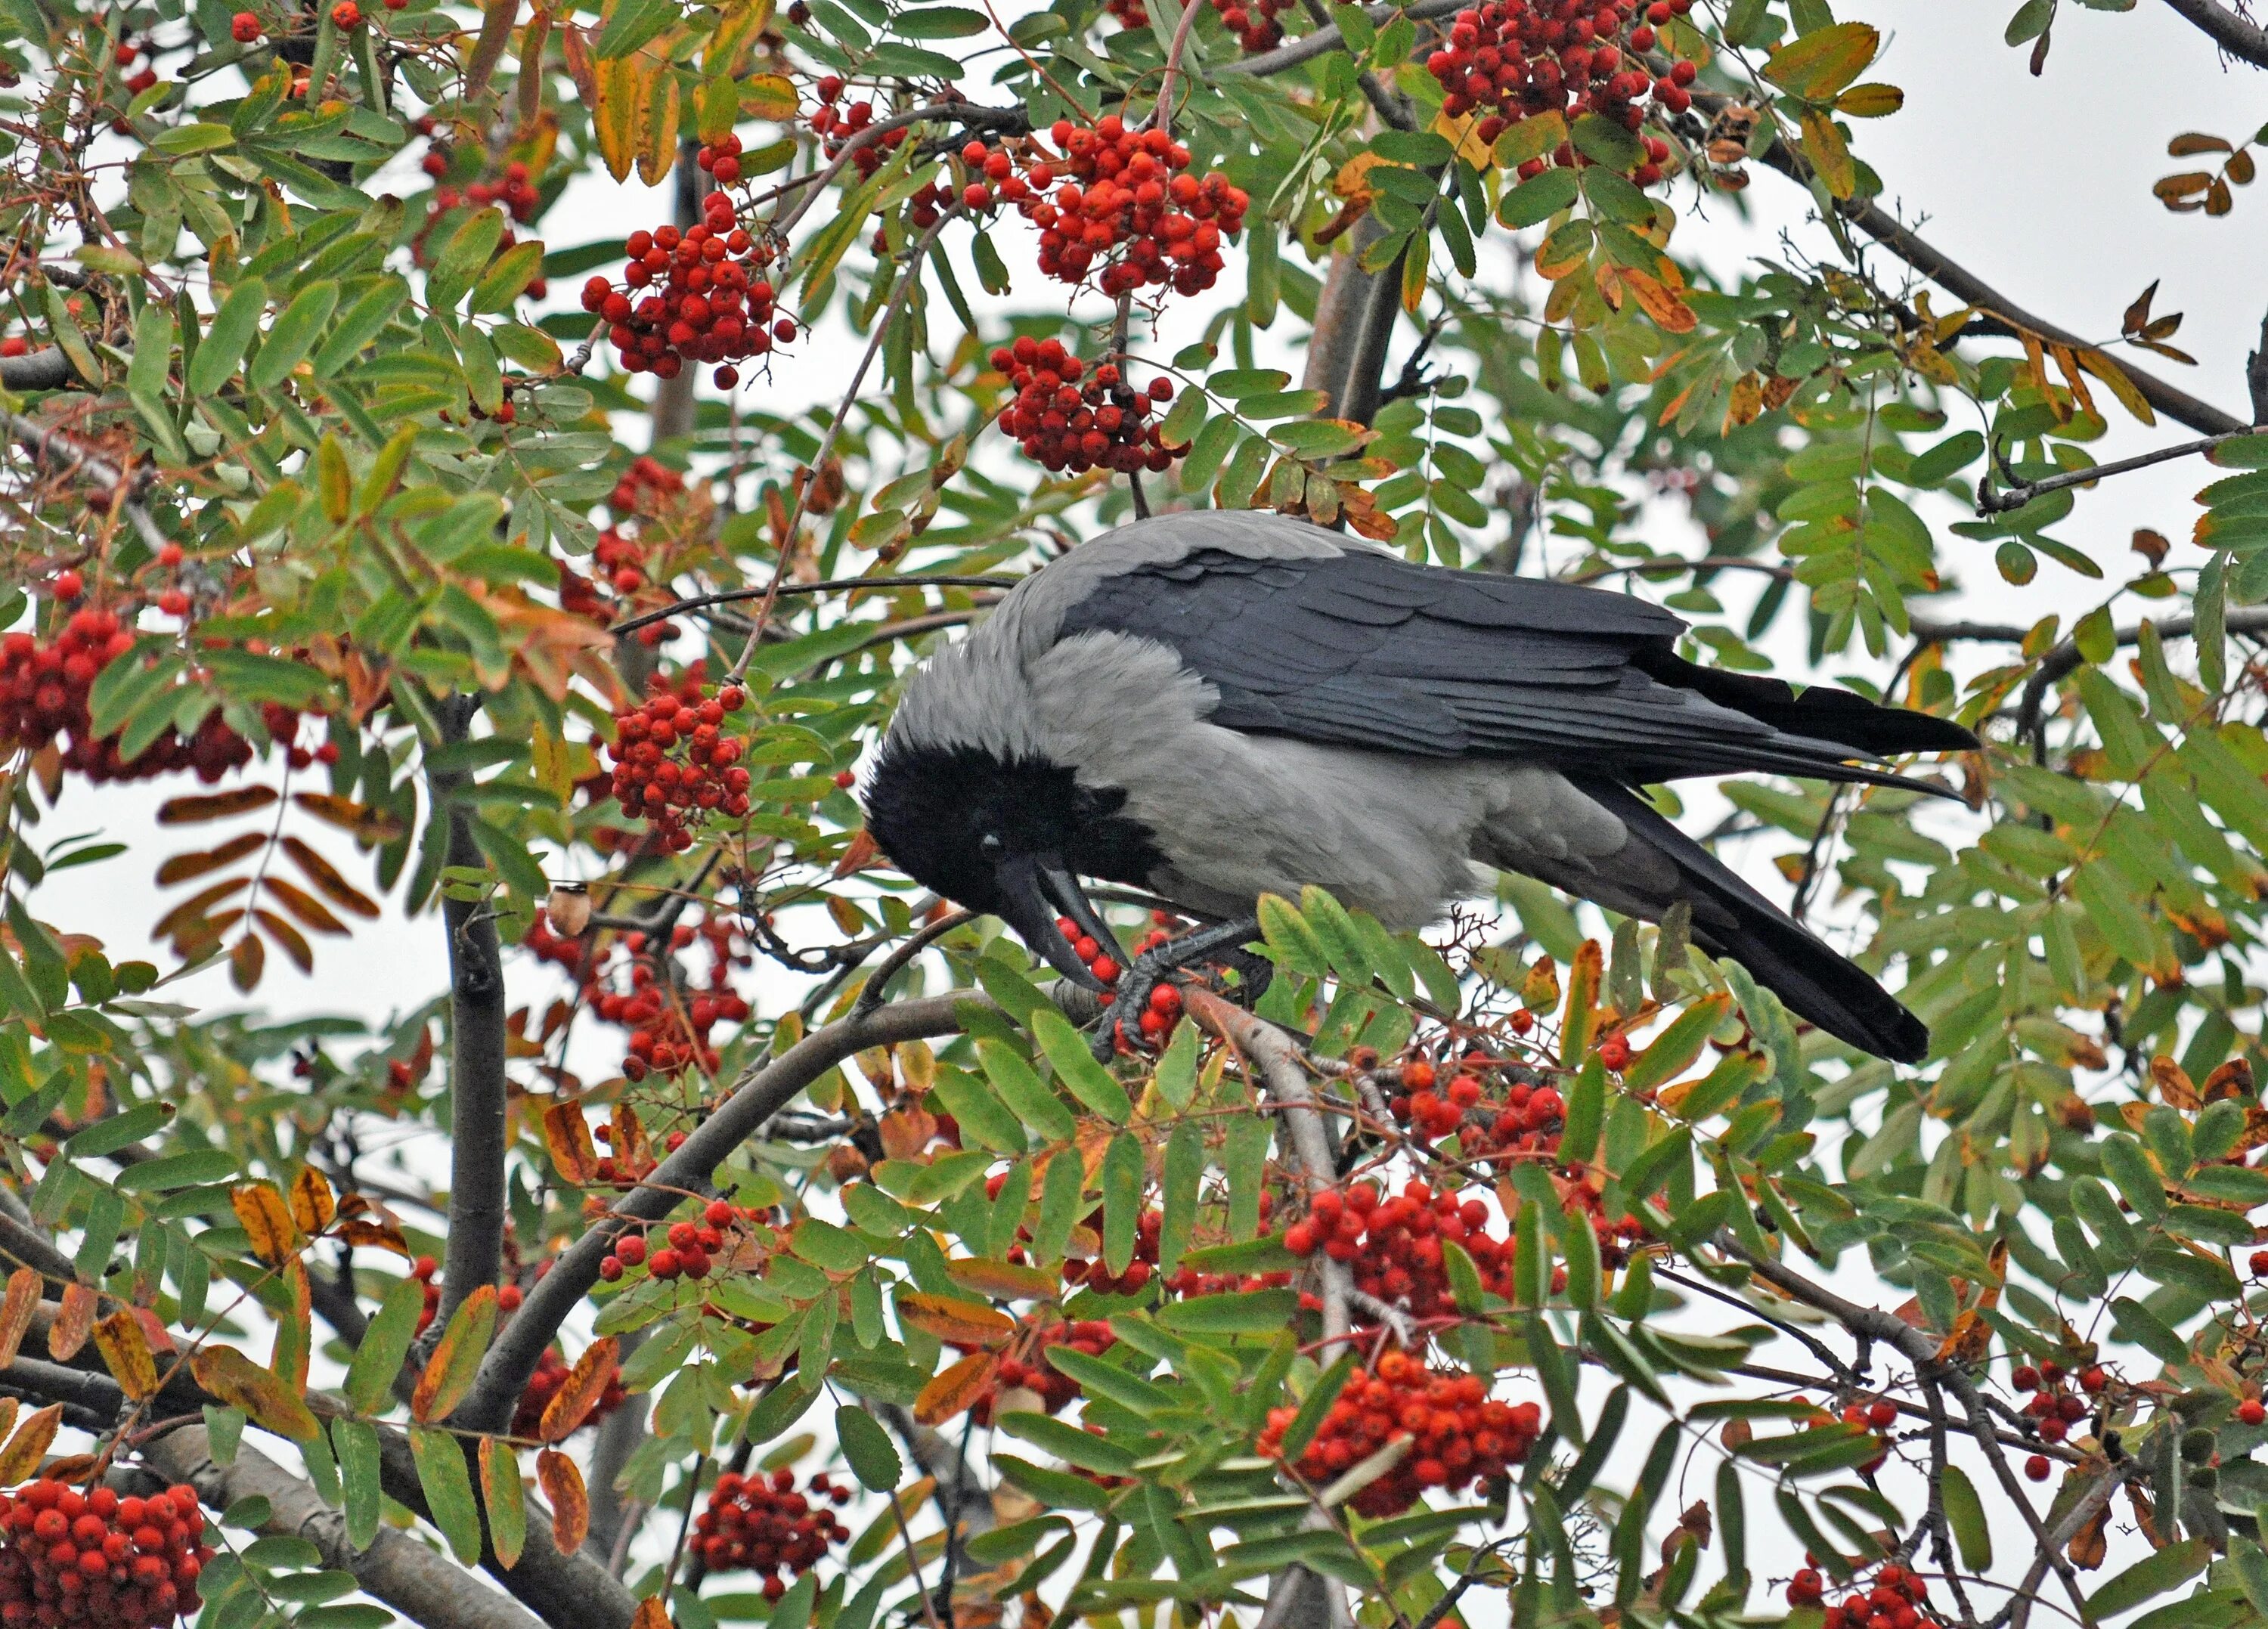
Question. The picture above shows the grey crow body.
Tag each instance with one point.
(1216, 705)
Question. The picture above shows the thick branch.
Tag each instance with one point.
(2239, 36)
(476, 1049)
(755, 1098)
(1325, 40)
(45, 369)
(415, 1580)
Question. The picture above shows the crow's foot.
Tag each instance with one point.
(1222, 943)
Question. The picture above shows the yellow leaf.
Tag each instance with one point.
(1817, 66)
(237, 1381)
(2114, 378)
(1829, 155)
(295, 1336)
(311, 1203)
(768, 96)
(657, 120)
(267, 1221)
(736, 30)
(74, 1322)
(1870, 101)
(456, 1358)
(25, 1449)
(585, 1384)
(126, 1353)
(965, 1323)
(953, 1391)
(1669, 311)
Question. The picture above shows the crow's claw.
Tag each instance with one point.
(1223, 942)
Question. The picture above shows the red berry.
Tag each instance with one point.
(69, 584)
(346, 16)
(244, 28)
(2036, 1467)
(2251, 1412)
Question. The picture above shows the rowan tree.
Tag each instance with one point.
(774, 1248)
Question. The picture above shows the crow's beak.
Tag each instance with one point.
(1034, 889)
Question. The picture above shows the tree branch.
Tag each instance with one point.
(475, 1246)
(1998, 500)
(2256, 377)
(758, 1095)
(2238, 36)
(45, 369)
(418, 1581)
(1327, 39)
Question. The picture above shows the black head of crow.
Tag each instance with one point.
(1217, 705)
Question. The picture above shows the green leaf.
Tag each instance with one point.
(293, 334)
(501, 1496)
(1100, 1377)
(448, 1485)
(1075, 1067)
(1122, 1200)
(354, 1442)
(1245, 1312)
(1288, 937)
(979, 1113)
(1185, 1162)
(874, 1457)
(1025, 1093)
(231, 331)
(385, 1346)
(1068, 1443)
(360, 323)
(1964, 1512)
(2136, 1322)
(2151, 1576)
(2129, 1171)
(507, 275)
(1535, 201)
(118, 1131)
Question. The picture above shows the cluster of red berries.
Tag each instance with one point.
(692, 1249)
(1097, 956)
(551, 1373)
(1877, 1417)
(283, 725)
(426, 1270)
(1031, 1372)
(1119, 199)
(2055, 1407)
(128, 54)
(514, 189)
(43, 696)
(1524, 57)
(762, 1523)
(669, 1017)
(646, 489)
(838, 125)
(1252, 22)
(100, 1558)
(1139, 1270)
(1897, 1599)
(1459, 1434)
(1393, 1244)
(707, 298)
(1067, 425)
(174, 601)
(650, 779)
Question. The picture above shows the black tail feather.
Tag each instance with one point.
(1730, 918)
(1821, 711)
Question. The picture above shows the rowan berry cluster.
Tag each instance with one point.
(1393, 1245)
(1030, 1372)
(692, 1247)
(652, 779)
(551, 1373)
(1523, 57)
(1252, 22)
(668, 1016)
(98, 1558)
(514, 189)
(1097, 956)
(1072, 417)
(706, 297)
(142, 78)
(1877, 1417)
(646, 490)
(1119, 203)
(284, 726)
(1094, 1275)
(837, 125)
(2058, 1400)
(43, 700)
(762, 1523)
(1459, 1434)
(1897, 1599)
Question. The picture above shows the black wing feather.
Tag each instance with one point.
(1364, 649)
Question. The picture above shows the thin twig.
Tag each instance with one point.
(1998, 500)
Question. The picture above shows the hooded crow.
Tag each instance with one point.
(1216, 705)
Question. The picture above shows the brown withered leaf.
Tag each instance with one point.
(375, 1235)
(570, 1505)
(2176, 1089)
(2231, 1080)
(327, 881)
(906, 1131)
(567, 1135)
(74, 1323)
(954, 1388)
(370, 827)
(2092, 1542)
(198, 863)
(312, 1206)
(950, 1318)
(214, 805)
(1970, 1343)
(16, 1310)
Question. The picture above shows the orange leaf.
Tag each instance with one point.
(214, 805)
(369, 825)
(954, 1389)
(652, 1614)
(585, 1384)
(374, 1235)
(16, 1310)
(327, 881)
(570, 1507)
(457, 1357)
(1669, 312)
(568, 1136)
(630, 1146)
(2190, 142)
(22, 1455)
(181, 867)
(949, 1318)
(237, 1381)
(8, 1407)
(267, 1221)
(74, 1322)
(127, 1354)
(313, 1207)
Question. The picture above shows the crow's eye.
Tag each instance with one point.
(990, 846)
